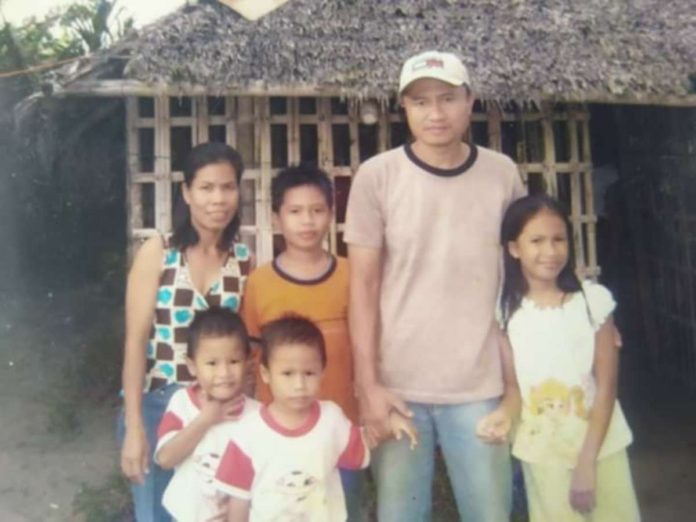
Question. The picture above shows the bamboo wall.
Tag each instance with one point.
(658, 193)
(551, 147)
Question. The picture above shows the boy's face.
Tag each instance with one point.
(304, 218)
(219, 365)
(294, 374)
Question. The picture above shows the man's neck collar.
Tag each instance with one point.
(450, 163)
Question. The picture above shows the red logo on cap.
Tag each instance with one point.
(434, 62)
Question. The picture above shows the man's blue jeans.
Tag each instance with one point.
(147, 497)
(479, 473)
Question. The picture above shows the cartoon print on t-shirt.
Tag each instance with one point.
(206, 465)
(557, 418)
(298, 497)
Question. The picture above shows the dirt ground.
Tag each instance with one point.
(49, 448)
(663, 455)
(41, 470)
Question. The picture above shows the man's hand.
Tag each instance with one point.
(376, 403)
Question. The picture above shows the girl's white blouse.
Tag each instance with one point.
(553, 351)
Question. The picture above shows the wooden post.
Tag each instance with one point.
(575, 194)
(263, 219)
(247, 138)
(384, 129)
(325, 153)
(589, 197)
(549, 166)
(230, 121)
(293, 130)
(495, 137)
(134, 197)
(163, 181)
(201, 120)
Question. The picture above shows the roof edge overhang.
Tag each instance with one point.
(122, 88)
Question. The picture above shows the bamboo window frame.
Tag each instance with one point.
(243, 113)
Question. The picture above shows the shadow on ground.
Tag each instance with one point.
(662, 415)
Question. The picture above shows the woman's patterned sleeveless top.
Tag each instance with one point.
(177, 302)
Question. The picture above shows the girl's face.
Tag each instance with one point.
(541, 248)
(213, 197)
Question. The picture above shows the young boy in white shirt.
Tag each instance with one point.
(201, 419)
(283, 461)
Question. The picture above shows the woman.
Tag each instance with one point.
(198, 266)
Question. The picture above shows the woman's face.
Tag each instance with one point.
(213, 197)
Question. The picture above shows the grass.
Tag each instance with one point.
(74, 338)
(90, 341)
(107, 502)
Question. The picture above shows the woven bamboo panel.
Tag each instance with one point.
(550, 146)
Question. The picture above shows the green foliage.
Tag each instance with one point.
(97, 23)
(66, 32)
(36, 42)
(107, 502)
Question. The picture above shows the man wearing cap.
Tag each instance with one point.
(422, 229)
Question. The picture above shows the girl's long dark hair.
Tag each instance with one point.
(514, 284)
(202, 155)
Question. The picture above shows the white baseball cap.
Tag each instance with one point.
(446, 67)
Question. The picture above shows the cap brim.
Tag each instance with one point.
(431, 76)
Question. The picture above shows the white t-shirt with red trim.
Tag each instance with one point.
(293, 475)
(190, 495)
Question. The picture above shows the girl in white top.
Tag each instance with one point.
(561, 366)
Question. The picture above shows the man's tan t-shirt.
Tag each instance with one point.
(440, 233)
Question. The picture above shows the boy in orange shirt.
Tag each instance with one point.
(307, 280)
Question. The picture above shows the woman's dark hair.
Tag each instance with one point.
(301, 175)
(216, 322)
(201, 156)
(514, 284)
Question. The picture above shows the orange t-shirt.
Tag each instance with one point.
(270, 293)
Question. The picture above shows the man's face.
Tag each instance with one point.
(438, 113)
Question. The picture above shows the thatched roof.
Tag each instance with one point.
(609, 50)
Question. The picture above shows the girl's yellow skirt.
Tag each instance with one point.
(548, 489)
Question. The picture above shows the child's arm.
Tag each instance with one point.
(401, 426)
(606, 365)
(174, 451)
(495, 427)
(238, 510)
